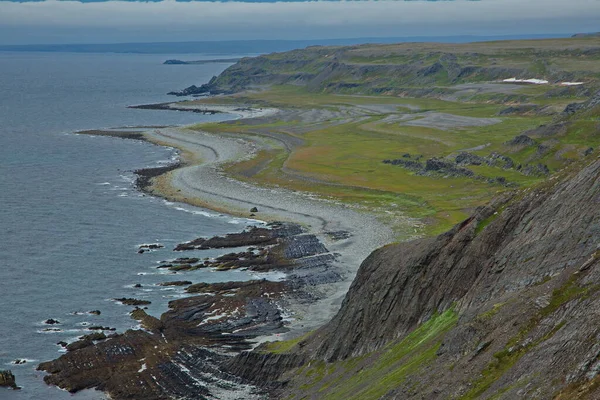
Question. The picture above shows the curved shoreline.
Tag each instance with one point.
(198, 179)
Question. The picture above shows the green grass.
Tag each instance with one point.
(344, 162)
(283, 346)
(372, 376)
(518, 346)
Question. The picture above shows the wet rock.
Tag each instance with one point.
(94, 336)
(95, 312)
(19, 361)
(152, 246)
(52, 321)
(101, 328)
(254, 210)
(172, 359)
(132, 302)
(175, 283)
(138, 285)
(146, 175)
(7, 379)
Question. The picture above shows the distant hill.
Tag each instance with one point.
(247, 46)
(593, 34)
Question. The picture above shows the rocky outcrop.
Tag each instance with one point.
(185, 353)
(172, 356)
(132, 302)
(7, 379)
(521, 140)
(523, 275)
(447, 167)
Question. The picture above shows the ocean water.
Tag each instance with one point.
(70, 219)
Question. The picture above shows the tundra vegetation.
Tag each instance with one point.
(425, 130)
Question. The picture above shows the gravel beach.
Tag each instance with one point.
(200, 181)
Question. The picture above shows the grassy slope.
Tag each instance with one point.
(373, 375)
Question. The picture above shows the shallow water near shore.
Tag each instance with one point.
(71, 218)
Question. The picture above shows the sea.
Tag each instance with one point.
(71, 219)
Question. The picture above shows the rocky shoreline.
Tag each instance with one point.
(184, 353)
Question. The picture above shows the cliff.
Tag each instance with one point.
(504, 305)
(409, 69)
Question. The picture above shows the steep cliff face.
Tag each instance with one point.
(535, 237)
(504, 305)
(524, 281)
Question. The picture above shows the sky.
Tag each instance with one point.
(98, 21)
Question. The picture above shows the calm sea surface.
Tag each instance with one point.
(70, 218)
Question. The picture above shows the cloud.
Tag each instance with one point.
(171, 20)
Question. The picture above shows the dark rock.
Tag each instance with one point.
(175, 283)
(138, 285)
(145, 177)
(51, 321)
(175, 62)
(132, 302)
(251, 237)
(499, 160)
(254, 210)
(573, 108)
(79, 344)
(412, 165)
(521, 140)
(444, 167)
(100, 328)
(153, 246)
(466, 158)
(338, 235)
(19, 361)
(535, 170)
(7, 379)
(94, 312)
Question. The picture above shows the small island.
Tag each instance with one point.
(196, 62)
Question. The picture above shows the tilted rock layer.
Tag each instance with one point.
(523, 276)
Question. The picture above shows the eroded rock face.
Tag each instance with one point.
(535, 237)
(523, 274)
